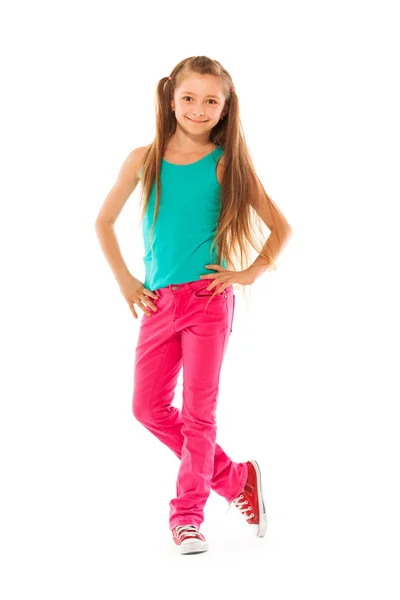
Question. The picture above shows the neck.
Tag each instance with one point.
(187, 144)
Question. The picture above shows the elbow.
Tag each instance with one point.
(286, 229)
(99, 223)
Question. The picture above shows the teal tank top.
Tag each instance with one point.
(190, 204)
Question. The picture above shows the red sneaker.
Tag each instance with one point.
(251, 500)
(189, 539)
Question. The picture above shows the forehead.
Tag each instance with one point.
(201, 85)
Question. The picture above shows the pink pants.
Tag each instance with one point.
(181, 333)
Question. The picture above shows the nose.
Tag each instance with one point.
(197, 111)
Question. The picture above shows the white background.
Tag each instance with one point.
(309, 386)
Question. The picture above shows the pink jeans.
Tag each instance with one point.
(182, 333)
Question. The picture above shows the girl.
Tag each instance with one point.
(201, 198)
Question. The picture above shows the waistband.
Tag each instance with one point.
(192, 286)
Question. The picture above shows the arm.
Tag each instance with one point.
(280, 230)
(125, 184)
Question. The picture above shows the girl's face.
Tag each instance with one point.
(199, 103)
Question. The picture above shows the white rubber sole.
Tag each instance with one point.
(193, 547)
(262, 526)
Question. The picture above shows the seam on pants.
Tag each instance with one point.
(219, 375)
(227, 333)
(156, 381)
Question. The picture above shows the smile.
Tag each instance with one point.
(196, 121)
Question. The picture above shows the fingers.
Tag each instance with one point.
(141, 306)
(144, 302)
(218, 286)
(151, 294)
(146, 296)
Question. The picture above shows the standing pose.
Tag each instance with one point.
(200, 200)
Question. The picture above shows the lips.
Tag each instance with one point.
(193, 121)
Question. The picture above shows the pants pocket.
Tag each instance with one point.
(216, 302)
(204, 292)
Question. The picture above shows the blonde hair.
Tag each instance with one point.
(238, 223)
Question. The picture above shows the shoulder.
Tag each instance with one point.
(133, 163)
(125, 184)
(137, 157)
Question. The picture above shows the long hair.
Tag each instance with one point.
(238, 224)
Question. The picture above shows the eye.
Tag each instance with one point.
(184, 97)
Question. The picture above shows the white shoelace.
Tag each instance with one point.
(187, 531)
(240, 506)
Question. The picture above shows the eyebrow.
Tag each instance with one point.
(193, 94)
